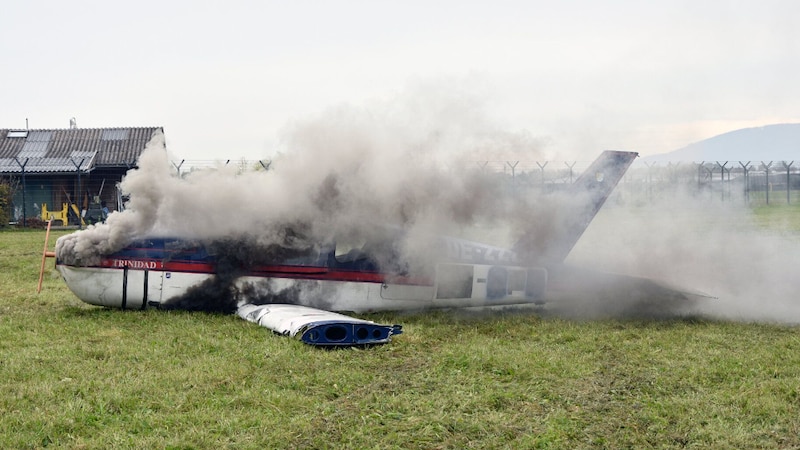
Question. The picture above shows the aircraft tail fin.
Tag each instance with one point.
(583, 199)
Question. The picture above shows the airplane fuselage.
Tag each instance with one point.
(156, 272)
(292, 291)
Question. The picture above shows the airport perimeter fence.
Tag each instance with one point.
(749, 182)
(743, 182)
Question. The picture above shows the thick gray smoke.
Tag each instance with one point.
(702, 243)
(148, 187)
(347, 173)
(410, 163)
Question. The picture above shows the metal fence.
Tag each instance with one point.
(751, 182)
(748, 181)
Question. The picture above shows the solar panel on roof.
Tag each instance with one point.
(17, 133)
(40, 136)
(115, 134)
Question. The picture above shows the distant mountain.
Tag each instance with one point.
(779, 142)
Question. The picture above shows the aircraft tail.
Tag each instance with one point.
(582, 200)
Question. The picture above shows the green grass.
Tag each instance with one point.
(77, 376)
(778, 216)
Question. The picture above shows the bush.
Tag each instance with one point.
(5, 203)
(34, 222)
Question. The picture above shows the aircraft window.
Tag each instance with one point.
(536, 284)
(276, 254)
(454, 281)
(497, 282)
(310, 256)
(350, 250)
(516, 280)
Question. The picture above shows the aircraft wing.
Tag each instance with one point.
(587, 293)
(316, 326)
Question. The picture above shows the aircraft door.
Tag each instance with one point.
(140, 287)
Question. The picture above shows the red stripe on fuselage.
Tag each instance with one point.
(272, 271)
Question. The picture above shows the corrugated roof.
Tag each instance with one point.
(45, 165)
(65, 150)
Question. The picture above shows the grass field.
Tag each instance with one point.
(77, 376)
(778, 217)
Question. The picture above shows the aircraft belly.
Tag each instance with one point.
(118, 288)
(175, 284)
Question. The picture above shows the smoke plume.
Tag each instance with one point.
(358, 173)
(408, 162)
(701, 243)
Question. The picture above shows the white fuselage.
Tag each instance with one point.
(455, 285)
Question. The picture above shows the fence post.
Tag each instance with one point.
(710, 172)
(570, 169)
(178, 167)
(766, 168)
(745, 167)
(721, 178)
(80, 191)
(513, 172)
(788, 185)
(24, 207)
(541, 167)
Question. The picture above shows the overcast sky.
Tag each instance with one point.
(225, 77)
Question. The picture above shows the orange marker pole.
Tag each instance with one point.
(45, 255)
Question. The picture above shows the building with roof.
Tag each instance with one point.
(75, 166)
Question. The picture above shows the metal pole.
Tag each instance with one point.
(788, 187)
(728, 184)
(24, 187)
(80, 197)
(745, 167)
(766, 167)
(513, 172)
(541, 167)
(570, 169)
(721, 178)
(178, 167)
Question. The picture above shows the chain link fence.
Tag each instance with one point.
(747, 182)
(751, 182)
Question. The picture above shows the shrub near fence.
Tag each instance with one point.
(5, 204)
